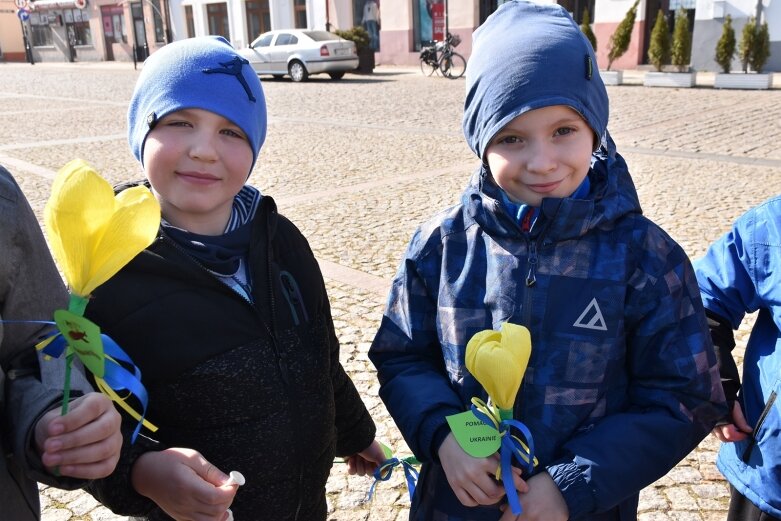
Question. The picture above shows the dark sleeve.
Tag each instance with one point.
(30, 290)
(354, 426)
(724, 341)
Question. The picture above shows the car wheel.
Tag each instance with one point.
(297, 71)
(336, 75)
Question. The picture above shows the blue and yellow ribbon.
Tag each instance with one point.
(385, 471)
(512, 447)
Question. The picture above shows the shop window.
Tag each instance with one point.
(40, 33)
(77, 26)
(157, 17)
(189, 20)
(299, 13)
(258, 17)
(428, 21)
(114, 24)
(217, 16)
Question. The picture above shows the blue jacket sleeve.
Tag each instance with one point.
(407, 354)
(674, 395)
(727, 274)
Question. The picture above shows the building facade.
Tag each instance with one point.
(68, 30)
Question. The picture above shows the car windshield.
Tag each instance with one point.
(321, 36)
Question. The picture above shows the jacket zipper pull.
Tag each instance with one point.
(282, 364)
(531, 277)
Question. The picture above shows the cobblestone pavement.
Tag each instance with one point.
(357, 163)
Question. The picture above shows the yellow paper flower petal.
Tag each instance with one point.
(498, 360)
(92, 233)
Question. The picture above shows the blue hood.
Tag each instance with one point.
(524, 57)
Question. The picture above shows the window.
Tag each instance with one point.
(157, 16)
(217, 15)
(189, 20)
(576, 7)
(258, 17)
(265, 41)
(41, 34)
(299, 13)
(286, 39)
(114, 24)
(77, 26)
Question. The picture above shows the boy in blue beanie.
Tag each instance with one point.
(622, 381)
(226, 315)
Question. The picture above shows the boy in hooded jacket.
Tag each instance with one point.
(622, 381)
(739, 274)
(225, 314)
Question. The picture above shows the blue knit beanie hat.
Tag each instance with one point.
(197, 73)
(524, 57)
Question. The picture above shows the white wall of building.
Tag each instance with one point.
(281, 12)
(709, 18)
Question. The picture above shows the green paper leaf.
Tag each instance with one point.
(386, 450)
(83, 338)
(475, 437)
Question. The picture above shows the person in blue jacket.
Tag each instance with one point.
(739, 274)
(622, 382)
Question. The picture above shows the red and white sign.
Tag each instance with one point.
(81, 4)
(438, 20)
(20, 4)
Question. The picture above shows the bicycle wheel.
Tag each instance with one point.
(453, 65)
(427, 68)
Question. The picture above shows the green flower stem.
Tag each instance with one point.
(505, 414)
(77, 305)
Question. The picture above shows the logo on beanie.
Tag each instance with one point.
(233, 68)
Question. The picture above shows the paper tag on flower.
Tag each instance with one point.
(475, 437)
(83, 337)
(386, 450)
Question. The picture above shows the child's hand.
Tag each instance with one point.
(738, 430)
(366, 461)
(542, 501)
(183, 484)
(85, 443)
(472, 479)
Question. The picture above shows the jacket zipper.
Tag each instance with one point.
(753, 441)
(531, 277)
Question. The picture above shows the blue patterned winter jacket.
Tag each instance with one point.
(622, 382)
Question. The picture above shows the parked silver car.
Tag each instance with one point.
(299, 53)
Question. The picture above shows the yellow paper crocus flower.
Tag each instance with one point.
(498, 360)
(92, 232)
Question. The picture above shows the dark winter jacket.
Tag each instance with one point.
(30, 290)
(622, 382)
(255, 387)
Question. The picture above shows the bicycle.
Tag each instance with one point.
(440, 57)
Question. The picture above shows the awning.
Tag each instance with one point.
(52, 4)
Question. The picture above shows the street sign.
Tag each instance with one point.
(23, 14)
(81, 4)
(20, 4)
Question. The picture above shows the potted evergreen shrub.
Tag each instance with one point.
(660, 53)
(753, 52)
(682, 42)
(618, 45)
(585, 27)
(747, 38)
(360, 37)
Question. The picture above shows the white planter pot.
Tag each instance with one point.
(739, 80)
(670, 79)
(612, 77)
